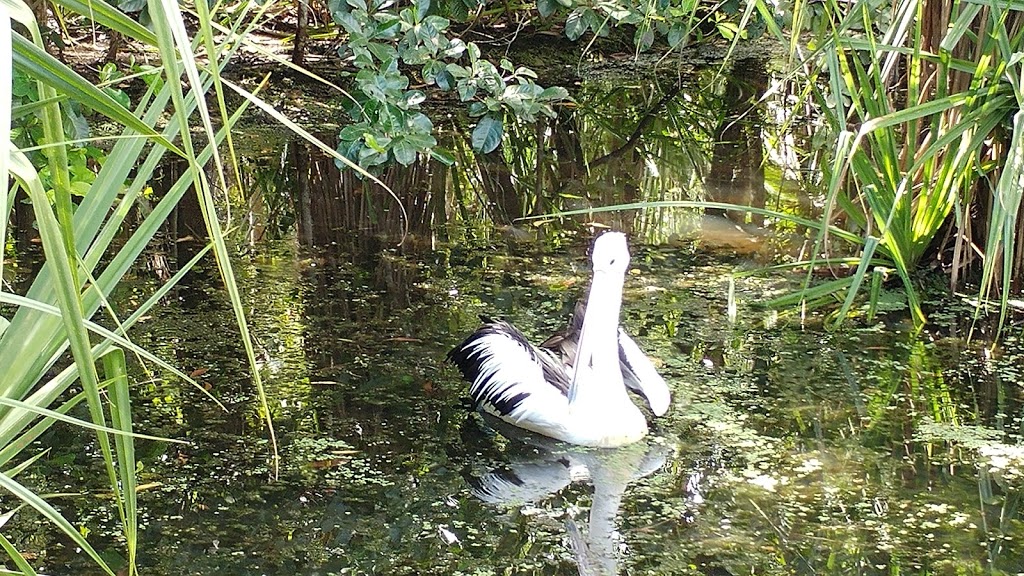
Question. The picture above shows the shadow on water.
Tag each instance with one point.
(788, 450)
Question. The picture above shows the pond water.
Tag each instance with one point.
(788, 449)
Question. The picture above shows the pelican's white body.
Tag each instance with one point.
(583, 403)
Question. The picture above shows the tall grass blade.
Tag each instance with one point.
(104, 14)
(1002, 233)
(870, 244)
(53, 240)
(6, 79)
(171, 35)
(116, 371)
(877, 277)
(53, 73)
(56, 415)
(28, 462)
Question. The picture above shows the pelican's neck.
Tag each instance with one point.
(597, 376)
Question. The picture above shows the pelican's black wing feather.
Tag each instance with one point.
(496, 359)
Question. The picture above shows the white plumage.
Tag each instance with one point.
(573, 388)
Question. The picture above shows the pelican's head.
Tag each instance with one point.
(610, 253)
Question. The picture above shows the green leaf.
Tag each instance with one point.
(129, 6)
(443, 156)
(419, 122)
(522, 90)
(348, 21)
(728, 30)
(554, 93)
(457, 71)
(548, 7)
(413, 98)
(339, 6)
(444, 80)
(487, 134)
(466, 91)
(574, 25)
(595, 22)
(404, 151)
(456, 47)
(103, 13)
(621, 15)
(417, 55)
(40, 65)
(363, 59)
(477, 108)
(644, 38)
(422, 142)
(431, 69)
(115, 371)
(349, 149)
(436, 23)
(382, 52)
(676, 34)
(377, 143)
(353, 132)
(525, 72)
(387, 28)
(118, 96)
(372, 159)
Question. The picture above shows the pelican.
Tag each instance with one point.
(638, 372)
(574, 388)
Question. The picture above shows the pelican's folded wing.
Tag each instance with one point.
(640, 375)
(512, 379)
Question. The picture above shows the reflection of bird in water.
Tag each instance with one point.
(575, 388)
(553, 466)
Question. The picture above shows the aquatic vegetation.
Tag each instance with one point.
(794, 447)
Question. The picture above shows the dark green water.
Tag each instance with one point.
(788, 449)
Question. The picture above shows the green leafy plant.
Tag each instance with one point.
(496, 94)
(387, 122)
(910, 149)
(646, 21)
